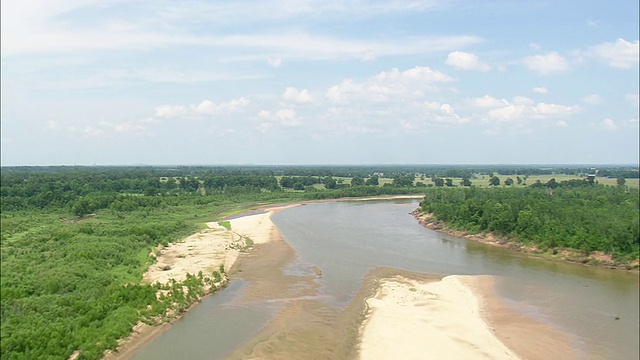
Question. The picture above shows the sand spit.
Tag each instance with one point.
(410, 319)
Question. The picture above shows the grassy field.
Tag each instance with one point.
(483, 180)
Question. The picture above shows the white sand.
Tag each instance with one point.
(436, 320)
(206, 250)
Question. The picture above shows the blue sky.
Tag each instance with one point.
(319, 82)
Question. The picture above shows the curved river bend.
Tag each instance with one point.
(345, 240)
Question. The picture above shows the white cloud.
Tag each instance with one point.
(92, 131)
(593, 23)
(620, 54)
(609, 124)
(439, 113)
(284, 117)
(129, 128)
(52, 125)
(511, 113)
(555, 109)
(535, 46)
(33, 28)
(369, 55)
(466, 61)
(488, 101)
(288, 117)
(546, 64)
(206, 107)
(521, 108)
(274, 62)
(593, 99)
(540, 90)
(522, 100)
(169, 111)
(388, 85)
(302, 96)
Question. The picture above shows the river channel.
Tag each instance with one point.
(333, 246)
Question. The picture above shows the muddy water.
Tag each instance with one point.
(303, 298)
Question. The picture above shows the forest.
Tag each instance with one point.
(75, 241)
(575, 214)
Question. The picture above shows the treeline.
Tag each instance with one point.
(570, 215)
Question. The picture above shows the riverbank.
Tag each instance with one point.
(216, 247)
(596, 258)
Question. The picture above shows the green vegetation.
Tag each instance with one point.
(225, 224)
(574, 214)
(76, 241)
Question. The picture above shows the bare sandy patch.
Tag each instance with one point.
(410, 319)
(203, 251)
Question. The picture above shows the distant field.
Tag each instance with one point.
(483, 180)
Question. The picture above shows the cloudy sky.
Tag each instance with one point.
(319, 82)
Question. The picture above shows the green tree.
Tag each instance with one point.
(465, 182)
(373, 180)
(621, 181)
(448, 182)
(437, 181)
(508, 181)
(357, 181)
(329, 182)
(494, 181)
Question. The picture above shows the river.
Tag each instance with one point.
(344, 241)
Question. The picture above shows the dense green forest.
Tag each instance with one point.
(75, 241)
(576, 215)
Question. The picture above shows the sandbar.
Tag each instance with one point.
(411, 319)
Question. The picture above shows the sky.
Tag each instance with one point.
(293, 82)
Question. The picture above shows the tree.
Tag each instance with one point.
(373, 180)
(437, 181)
(508, 181)
(621, 181)
(552, 183)
(448, 182)
(81, 207)
(329, 182)
(403, 180)
(494, 181)
(357, 181)
(518, 180)
(465, 182)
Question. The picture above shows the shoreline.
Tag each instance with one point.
(596, 259)
(203, 251)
